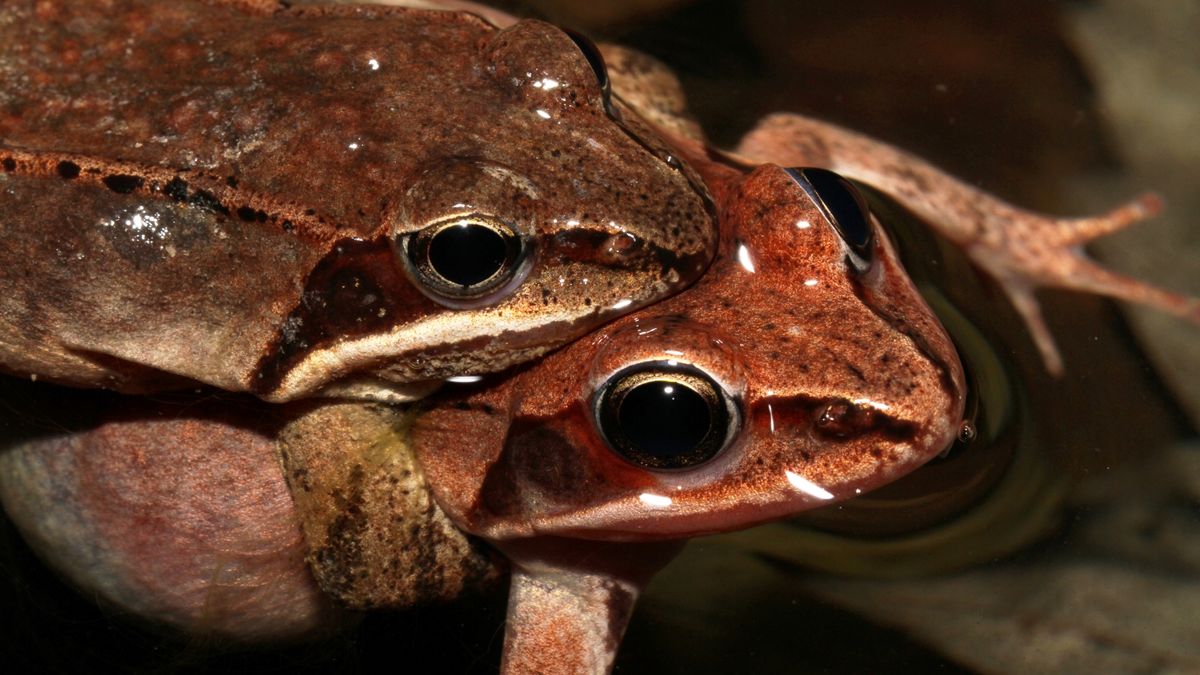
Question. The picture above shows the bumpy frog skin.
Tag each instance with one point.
(265, 199)
(827, 371)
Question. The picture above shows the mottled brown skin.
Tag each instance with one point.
(1022, 250)
(374, 535)
(843, 379)
(208, 191)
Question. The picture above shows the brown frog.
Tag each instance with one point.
(348, 201)
(374, 536)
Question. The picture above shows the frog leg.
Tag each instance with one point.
(570, 601)
(1021, 249)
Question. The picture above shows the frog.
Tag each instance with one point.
(827, 377)
(311, 449)
(318, 200)
(803, 369)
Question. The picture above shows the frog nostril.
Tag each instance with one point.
(663, 416)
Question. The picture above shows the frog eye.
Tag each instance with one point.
(595, 59)
(663, 415)
(845, 208)
(464, 258)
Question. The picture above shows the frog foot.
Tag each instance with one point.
(1021, 249)
(1041, 251)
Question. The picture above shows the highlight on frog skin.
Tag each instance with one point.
(339, 202)
(804, 368)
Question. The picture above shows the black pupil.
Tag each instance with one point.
(467, 254)
(664, 419)
(848, 210)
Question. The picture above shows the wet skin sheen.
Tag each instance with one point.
(820, 370)
(243, 195)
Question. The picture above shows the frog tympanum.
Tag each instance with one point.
(345, 202)
(348, 201)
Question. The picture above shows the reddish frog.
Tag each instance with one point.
(802, 369)
(348, 201)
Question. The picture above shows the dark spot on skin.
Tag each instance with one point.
(231, 181)
(246, 213)
(10, 164)
(68, 170)
(122, 184)
(539, 465)
(177, 189)
(901, 326)
(857, 373)
(288, 226)
(461, 405)
(205, 200)
(353, 291)
(340, 561)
